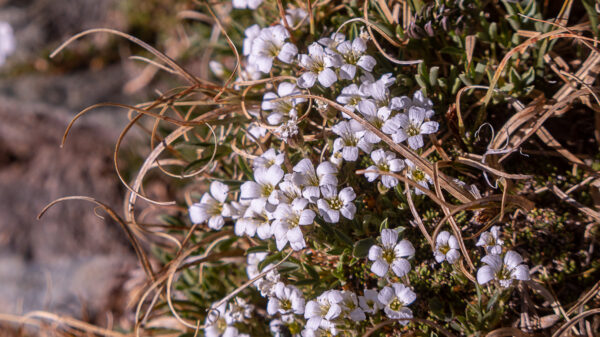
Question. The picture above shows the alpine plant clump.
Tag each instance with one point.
(333, 184)
(329, 108)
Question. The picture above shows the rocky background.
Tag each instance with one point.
(71, 261)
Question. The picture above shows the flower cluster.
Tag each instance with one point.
(278, 203)
(299, 186)
(503, 270)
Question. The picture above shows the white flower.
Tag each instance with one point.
(287, 129)
(285, 300)
(282, 110)
(417, 175)
(267, 159)
(310, 180)
(395, 299)
(256, 220)
(256, 131)
(251, 33)
(512, 268)
(491, 241)
(411, 127)
(350, 307)
(250, 4)
(235, 209)
(369, 303)
(351, 96)
(249, 73)
(376, 116)
(325, 308)
(289, 190)
(266, 283)
(379, 91)
(295, 18)
(332, 204)
(337, 159)
(446, 248)
(353, 55)
(385, 161)
(210, 207)
(239, 310)
(269, 44)
(325, 329)
(7, 41)
(351, 139)
(218, 323)
(264, 186)
(289, 218)
(318, 66)
(333, 41)
(391, 254)
(420, 100)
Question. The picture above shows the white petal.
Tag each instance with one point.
(332, 216)
(329, 191)
(198, 214)
(389, 181)
(264, 63)
(312, 193)
(371, 176)
(380, 267)
(375, 252)
(347, 72)
(512, 259)
(350, 153)
(406, 295)
(326, 168)
(307, 80)
(389, 237)
(307, 217)
(429, 127)
(401, 267)
(287, 53)
(264, 231)
(396, 165)
(453, 242)
(416, 142)
(521, 272)
(219, 191)
(485, 274)
(216, 222)
(267, 98)
(327, 77)
(494, 261)
(347, 194)
(452, 256)
(366, 62)
(442, 238)
(295, 234)
(404, 249)
(348, 211)
(416, 115)
(386, 295)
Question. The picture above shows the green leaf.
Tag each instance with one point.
(383, 225)
(361, 247)
(255, 249)
(433, 75)
(270, 259)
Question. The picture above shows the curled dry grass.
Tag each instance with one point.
(220, 102)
